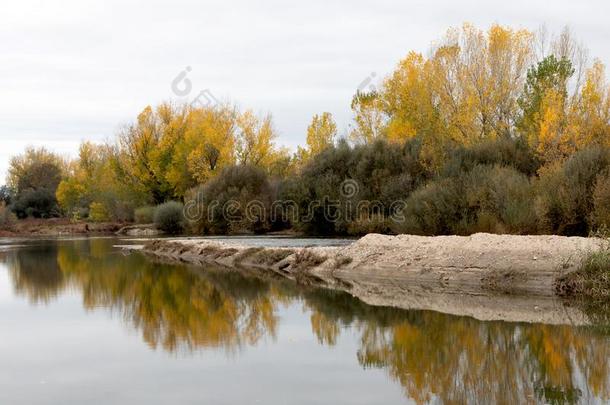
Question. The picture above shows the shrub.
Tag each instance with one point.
(591, 280)
(503, 151)
(372, 223)
(379, 174)
(144, 215)
(565, 194)
(601, 201)
(237, 200)
(500, 198)
(169, 217)
(6, 195)
(98, 212)
(305, 259)
(37, 203)
(485, 199)
(7, 218)
(434, 209)
(34, 177)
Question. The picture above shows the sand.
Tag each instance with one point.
(488, 277)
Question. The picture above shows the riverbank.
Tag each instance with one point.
(488, 277)
(59, 227)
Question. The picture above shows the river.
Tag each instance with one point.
(85, 321)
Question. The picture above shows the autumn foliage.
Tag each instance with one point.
(501, 130)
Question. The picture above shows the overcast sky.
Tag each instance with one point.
(77, 70)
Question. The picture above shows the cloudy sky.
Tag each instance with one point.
(77, 70)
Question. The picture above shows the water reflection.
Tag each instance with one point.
(434, 357)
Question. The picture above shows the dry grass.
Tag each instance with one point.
(306, 259)
(271, 256)
(591, 280)
(341, 261)
(247, 253)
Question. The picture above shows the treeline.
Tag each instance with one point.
(497, 131)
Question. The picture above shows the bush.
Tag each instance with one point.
(7, 218)
(79, 214)
(503, 151)
(37, 203)
(34, 177)
(434, 209)
(591, 280)
(169, 217)
(601, 201)
(98, 212)
(377, 176)
(6, 195)
(144, 215)
(486, 199)
(565, 194)
(237, 200)
(501, 199)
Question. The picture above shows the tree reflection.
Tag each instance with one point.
(457, 360)
(34, 275)
(435, 357)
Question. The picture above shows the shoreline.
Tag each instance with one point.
(59, 227)
(485, 276)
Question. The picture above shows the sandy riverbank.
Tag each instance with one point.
(485, 276)
(59, 227)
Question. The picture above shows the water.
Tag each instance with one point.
(82, 322)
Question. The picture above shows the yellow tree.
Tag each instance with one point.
(206, 146)
(464, 93)
(255, 140)
(369, 117)
(593, 109)
(552, 141)
(139, 146)
(93, 181)
(321, 134)
(408, 100)
(477, 78)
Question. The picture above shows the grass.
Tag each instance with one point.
(588, 288)
(341, 261)
(271, 256)
(306, 259)
(591, 280)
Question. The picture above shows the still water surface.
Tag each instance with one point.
(81, 322)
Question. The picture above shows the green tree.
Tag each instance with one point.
(546, 82)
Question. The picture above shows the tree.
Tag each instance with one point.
(141, 153)
(543, 103)
(465, 92)
(593, 115)
(34, 177)
(207, 147)
(96, 180)
(35, 168)
(70, 195)
(321, 134)
(255, 141)
(369, 117)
